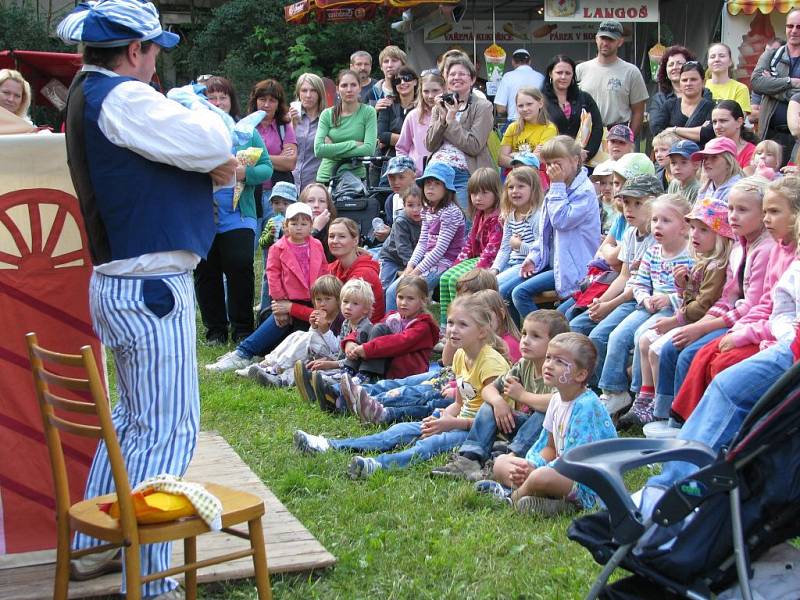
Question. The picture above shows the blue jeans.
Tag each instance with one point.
(412, 403)
(460, 183)
(389, 271)
(673, 364)
(390, 384)
(507, 280)
(725, 404)
(483, 432)
(599, 333)
(622, 340)
(390, 296)
(264, 339)
(569, 310)
(523, 293)
(403, 434)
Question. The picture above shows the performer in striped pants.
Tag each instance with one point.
(143, 168)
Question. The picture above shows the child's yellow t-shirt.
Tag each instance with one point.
(532, 135)
(469, 382)
(732, 90)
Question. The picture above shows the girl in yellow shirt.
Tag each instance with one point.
(530, 130)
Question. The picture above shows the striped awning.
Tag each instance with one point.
(749, 7)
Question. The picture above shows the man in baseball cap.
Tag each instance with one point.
(617, 86)
(522, 76)
(143, 168)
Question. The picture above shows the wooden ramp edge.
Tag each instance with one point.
(290, 546)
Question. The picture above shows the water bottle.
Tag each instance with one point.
(377, 225)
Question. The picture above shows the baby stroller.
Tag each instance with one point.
(356, 200)
(741, 502)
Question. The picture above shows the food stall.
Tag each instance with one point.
(748, 26)
(550, 27)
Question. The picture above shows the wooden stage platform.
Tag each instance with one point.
(290, 546)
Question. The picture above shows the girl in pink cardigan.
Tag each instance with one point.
(484, 238)
(752, 332)
(744, 286)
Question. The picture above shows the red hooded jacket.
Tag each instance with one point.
(364, 267)
(409, 350)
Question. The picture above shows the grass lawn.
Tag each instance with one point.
(400, 534)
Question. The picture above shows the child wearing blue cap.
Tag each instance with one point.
(684, 170)
(443, 226)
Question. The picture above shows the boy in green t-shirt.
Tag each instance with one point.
(514, 405)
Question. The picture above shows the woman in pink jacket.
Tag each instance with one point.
(294, 263)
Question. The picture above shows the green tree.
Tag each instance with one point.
(21, 29)
(248, 40)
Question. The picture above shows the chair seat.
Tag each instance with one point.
(548, 297)
(237, 507)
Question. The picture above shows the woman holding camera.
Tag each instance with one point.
(460, 125)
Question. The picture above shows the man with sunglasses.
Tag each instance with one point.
(617, 86)
(777, 78)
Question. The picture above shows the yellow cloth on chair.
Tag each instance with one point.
(207, 505)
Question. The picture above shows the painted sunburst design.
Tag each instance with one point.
(39, 234)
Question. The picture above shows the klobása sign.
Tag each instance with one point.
(512, 33)
(600, 10)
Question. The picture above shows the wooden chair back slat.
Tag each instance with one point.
(91, 431)
(69, 360)
(73, 406)
(55, 424)
(68, 383)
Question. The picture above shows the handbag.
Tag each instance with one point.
(277, 176)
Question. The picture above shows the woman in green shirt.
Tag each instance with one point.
(347, 130)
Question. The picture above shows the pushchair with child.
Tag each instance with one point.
(708, 528)
(357, 200)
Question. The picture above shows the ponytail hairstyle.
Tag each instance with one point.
(528, 176)
(479, 312)
(337, 105)
(730, 57)
(495, 302)
(732, 106)
(561, 146)
(789, 188)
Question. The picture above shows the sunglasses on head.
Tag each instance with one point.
(427, 72)
(405, 78)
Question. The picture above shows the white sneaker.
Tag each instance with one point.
(310, 444)
(660, 430)
(362, 467)
(229, 362)
(615, 401)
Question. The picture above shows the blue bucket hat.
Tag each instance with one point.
(285, 190)
(113, 23)
(528, 159)
(441, 172)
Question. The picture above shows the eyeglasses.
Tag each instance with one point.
(427, 72)
(405, 78)
(788, 26)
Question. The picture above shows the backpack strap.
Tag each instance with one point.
(777, 57)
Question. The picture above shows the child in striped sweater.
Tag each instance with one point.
(442, 235)
(655, 294)
(520, 211)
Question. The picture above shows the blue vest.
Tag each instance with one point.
(145, 206)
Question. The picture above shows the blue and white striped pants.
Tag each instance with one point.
(149, 326)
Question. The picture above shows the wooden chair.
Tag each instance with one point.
(125, 533)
